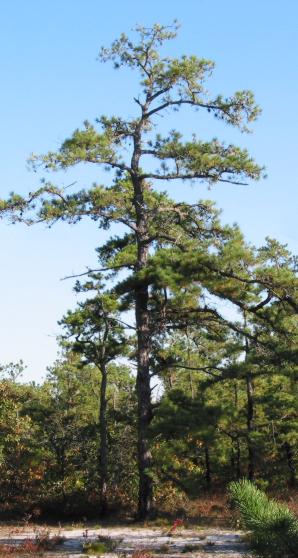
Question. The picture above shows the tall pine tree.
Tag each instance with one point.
(142, 160)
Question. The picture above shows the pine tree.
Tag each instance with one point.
(273, 527)
(132, 149)
(95, 331)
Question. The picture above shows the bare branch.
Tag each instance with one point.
(99, 270)
(191, 176)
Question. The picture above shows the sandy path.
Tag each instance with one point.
(188, 542)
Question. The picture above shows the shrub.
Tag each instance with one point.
(95, 547)
(101, 545)
(273, 527)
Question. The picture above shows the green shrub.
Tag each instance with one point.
(95, 547)
(101, 545)
(273, 527)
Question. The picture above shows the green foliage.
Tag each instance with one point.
(101, 545)
(273, 527)
(96, 547)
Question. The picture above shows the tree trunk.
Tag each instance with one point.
(291, 464)
(143, 390)
(250, 427)
(207, 467)
(250, 414)
(60, 453)
(191, 386)
(144, 404)
(237, 439)
(103, 445)
(143, 332)
(238, 459)
(143, 393)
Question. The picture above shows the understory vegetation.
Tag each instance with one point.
(50, 440)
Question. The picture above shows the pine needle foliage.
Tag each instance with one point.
(273, 527)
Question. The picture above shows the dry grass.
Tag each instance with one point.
(213, 509)
(36, 546)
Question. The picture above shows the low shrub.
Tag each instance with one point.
(273, 527)
(101, 545)
(95, 547)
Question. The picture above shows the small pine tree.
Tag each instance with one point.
(273, 527)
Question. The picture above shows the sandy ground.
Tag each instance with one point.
(190, 543)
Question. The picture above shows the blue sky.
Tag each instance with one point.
(51, 82)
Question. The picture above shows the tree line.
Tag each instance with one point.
(179, 363)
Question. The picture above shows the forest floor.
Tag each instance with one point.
(137, 541)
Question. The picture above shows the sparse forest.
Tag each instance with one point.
(177, 371)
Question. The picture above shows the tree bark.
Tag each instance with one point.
(250, 415)
(207, 467)
(238, 450)
(291, 464)
(250, 427)
(238, 459)
(103, 443)
(144, 404)
(143, 336)
(143, 381)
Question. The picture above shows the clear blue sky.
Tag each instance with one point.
(51, 82)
